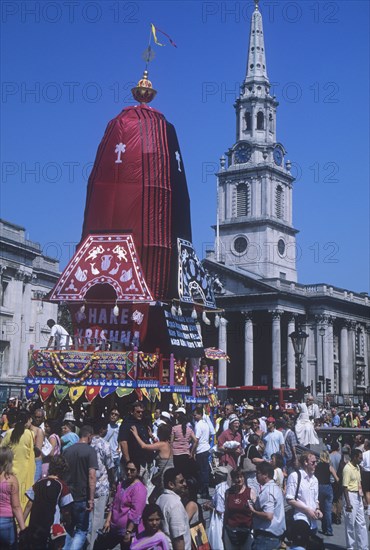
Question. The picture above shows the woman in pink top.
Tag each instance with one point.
(125, 515)
(183, 445)
(10, 507)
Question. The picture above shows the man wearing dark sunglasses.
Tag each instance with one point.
(302, 493)
(131, 450)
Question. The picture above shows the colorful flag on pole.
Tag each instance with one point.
(154, 32)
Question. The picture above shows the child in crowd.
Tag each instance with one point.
(69, 437)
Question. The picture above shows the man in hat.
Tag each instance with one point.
(273, 440)
(230, 443)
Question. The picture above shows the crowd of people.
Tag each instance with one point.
(146, 480)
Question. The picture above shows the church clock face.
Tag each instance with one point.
(243, 153)
(278, 156)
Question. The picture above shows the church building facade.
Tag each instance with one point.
(255, 260)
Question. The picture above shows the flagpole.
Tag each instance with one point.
(149, 48)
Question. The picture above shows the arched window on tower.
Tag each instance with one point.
(242, 199)
(247, 118)
(260, 120)
(279, 202)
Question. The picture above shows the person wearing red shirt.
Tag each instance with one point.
(229, 443)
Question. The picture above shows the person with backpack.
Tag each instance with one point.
(302, 493)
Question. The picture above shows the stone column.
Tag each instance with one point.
(276, 349)
(248, 348)
(222, 344)
(351, 355)
(291, 362)
(343, 359)
(330, 347)
(366, 354)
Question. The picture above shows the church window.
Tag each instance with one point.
(242, 200)
(279, 202)
(260, 120)
(281, 247)
(251, 66)
(258, 65)
(252, 48)
(240, 245)
(247, 118)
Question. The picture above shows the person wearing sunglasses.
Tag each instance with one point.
(302, 493)
(125, 513)
(130, 447)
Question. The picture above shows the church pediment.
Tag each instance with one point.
(235, 281)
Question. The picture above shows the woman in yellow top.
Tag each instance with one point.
(20, 441)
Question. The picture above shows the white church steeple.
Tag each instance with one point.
(255, 226)
(256, 65)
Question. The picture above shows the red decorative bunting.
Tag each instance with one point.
(45, 391)
(139, 394)
(91, 392)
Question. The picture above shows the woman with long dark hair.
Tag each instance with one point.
(152, 536)
(163, 458)
(52, 444)
(183, 442)
(323, 472)
(20, 440)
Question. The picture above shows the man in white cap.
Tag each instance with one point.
(230, 443)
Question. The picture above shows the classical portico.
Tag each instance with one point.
(259, 317)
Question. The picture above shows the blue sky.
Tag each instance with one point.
(68, 67)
